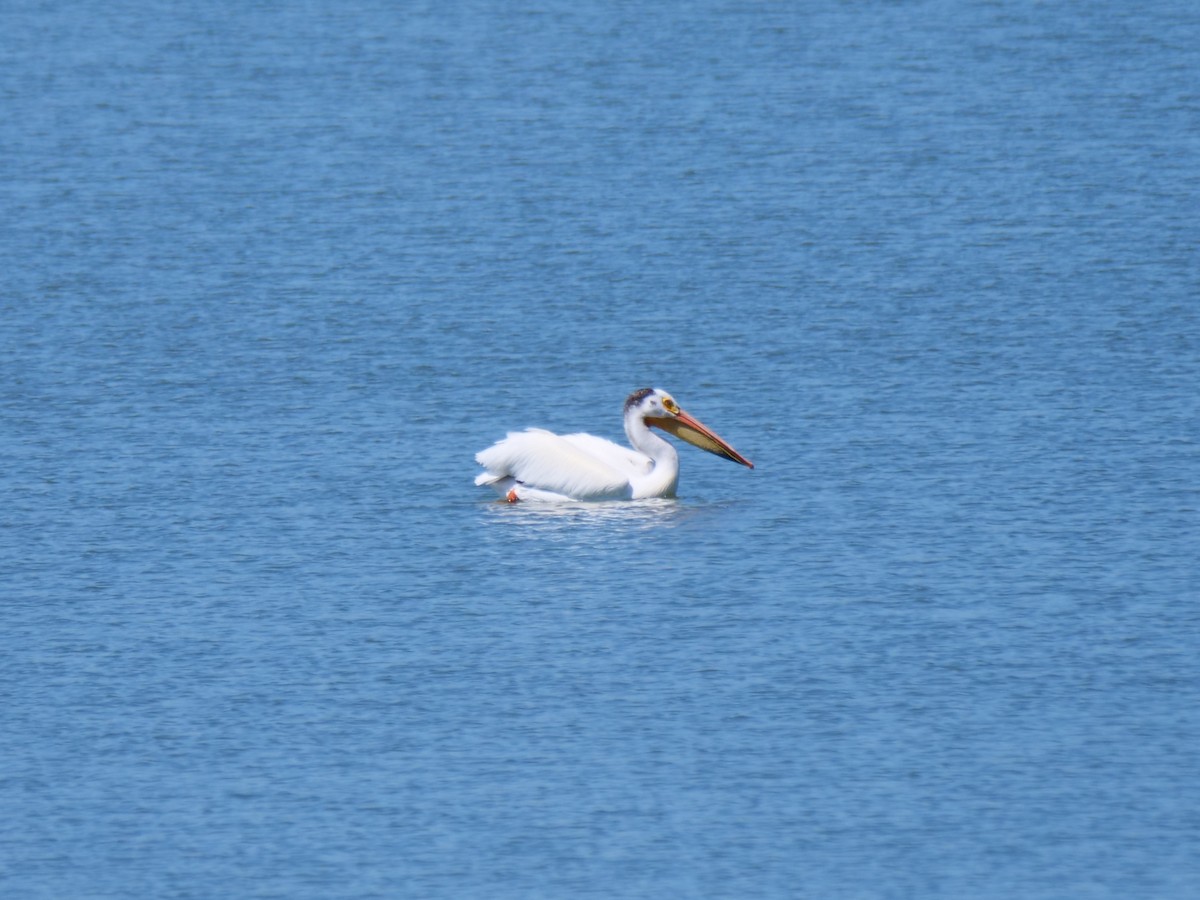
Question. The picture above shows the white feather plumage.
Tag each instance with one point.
(539, 465)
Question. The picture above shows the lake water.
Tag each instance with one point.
(272, 273)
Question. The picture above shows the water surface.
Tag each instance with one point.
(272, 274)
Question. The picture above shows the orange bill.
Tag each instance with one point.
(699, 435)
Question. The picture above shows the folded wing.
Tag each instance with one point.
(628, 462)
(562, 465)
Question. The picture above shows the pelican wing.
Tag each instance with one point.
(623, 459)
(548, 462)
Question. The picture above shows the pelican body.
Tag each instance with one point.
(540, 465)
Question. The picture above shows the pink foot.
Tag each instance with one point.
(511, 496)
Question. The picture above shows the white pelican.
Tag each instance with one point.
(540, 465)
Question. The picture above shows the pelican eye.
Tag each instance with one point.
(670, 405)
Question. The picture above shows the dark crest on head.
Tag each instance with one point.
(637, 397)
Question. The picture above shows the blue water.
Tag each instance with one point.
(271, 274)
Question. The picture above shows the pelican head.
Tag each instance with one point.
(658, 409)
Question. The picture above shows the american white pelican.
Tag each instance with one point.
(540, 465)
